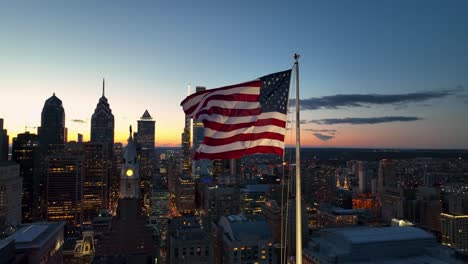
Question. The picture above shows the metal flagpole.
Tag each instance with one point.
(298, 169)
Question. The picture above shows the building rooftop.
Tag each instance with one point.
(36, 234)
(54, 100)
(146, 115)
(29, 233)
(241, 227)
(364, 235)
(256, 188)
(247, 230)
(377, 245)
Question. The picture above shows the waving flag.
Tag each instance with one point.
(242, 119)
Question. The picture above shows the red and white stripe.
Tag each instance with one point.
(234, 123)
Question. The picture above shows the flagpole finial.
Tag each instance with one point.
(296, 57)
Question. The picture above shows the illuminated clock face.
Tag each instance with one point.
(129, 172)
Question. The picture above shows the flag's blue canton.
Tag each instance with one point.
(274, 92)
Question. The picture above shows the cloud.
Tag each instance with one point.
(80, 121)
(466, 102)
(293, 121)
(331, 131)
(323, 137)
(365, 120)
(366, 100)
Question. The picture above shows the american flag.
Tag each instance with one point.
(242, 119)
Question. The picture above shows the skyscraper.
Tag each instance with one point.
(102, 122)
(146, 134)
(186, 156)
(454, 231)
(25, 153)
(52, 130)
(146, 130)
(115, 177)
(199, 167)
(97, 170)
(3, 142)
(64, 192)
(52, 136)
(10, 193)
(387, 175)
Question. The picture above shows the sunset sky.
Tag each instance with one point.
(390, 74)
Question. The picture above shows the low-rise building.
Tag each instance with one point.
(34, 243)
(376, 245)
(245, 239)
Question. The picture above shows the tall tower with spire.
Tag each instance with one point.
(102, 121)
(130, 176)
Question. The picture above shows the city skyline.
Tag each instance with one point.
(390, 75)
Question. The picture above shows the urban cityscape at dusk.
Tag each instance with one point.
(151, 132)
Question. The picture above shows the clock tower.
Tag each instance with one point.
(129, 177)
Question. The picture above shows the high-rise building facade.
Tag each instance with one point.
(97, 170)
(185, 138)
(386, 174)
(199, 167)
(64, 191)
(3, 142)
(454, 229)
(25, 152)
(10, 193)
(160, 200)
(102, 122)
(115, 177)
(146, 141)
(52, 130)
(185, 194)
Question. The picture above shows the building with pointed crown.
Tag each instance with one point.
(146, 154)
(102, 121)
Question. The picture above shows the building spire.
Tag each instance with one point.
(103, 87)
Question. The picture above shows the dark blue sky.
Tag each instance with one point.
(149, 52)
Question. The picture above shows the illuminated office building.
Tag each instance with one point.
(115, 177)
(252, 198)
(454, 229)
(246, 240)
(96, 177)
(25, 153)
(64, 191)
(160, 208)
(185, 194)
(186, 154)
(146, 141)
